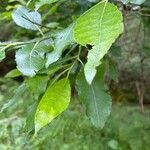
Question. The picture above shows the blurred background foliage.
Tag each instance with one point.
(129, 66)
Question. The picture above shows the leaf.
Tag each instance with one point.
(45, 45)
(15, 100)
(113, 70)
(115, 51)
(13, 73)
(30, 60)
(63, 39)
(99, 27)
(29, 125)
(40, 3)
(55, 100)
(2, 54)
(37, 85)
(26, 19)
(97, 100)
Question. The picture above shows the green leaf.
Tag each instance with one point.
(40, 3)
(29, 125)
(15, 100)
(13, 73)
(55, 100)
(63, 39)
(115, 51)
(30, 60)
(37, 85)
(99, 27)
(45, 45)
(97, 100)
(26, 19)
(2, 54)
(113, 70)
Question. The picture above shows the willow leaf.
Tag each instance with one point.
(55, 100)
(26, 19)
(63, 39)
(99, 27)
(95, 97)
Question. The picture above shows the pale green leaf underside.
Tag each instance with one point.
(29, 60)
(24, 18)
(63, 39)
(99, 27)
(55, 100)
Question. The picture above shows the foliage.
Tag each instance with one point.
(97, 109)
(52, 103)
(125, 129)
(54, 41)
(100, 32)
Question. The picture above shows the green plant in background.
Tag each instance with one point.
(58, 57)
(125, 129)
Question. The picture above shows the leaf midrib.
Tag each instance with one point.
(95, 104)
(100, 25)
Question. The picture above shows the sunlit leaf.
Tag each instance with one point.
(99, 27)
(55, 100)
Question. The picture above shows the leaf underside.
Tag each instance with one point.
(63, 39)
(26, 19)
(29, 60)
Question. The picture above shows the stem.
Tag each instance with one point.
(40, 31)
(68, 69)
(7, 45)
(59, 76)
(81, 62)
(74, 61)
(74, 46)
